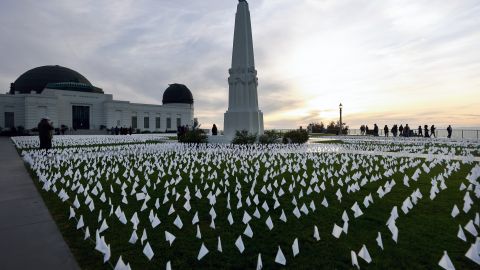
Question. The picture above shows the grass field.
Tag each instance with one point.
(263, 182)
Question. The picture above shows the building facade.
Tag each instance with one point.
(69, 99)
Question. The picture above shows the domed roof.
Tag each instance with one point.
(177, 93)
(56, 77)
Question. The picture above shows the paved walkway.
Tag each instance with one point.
(29, 238)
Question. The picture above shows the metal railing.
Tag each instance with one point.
(473, 134)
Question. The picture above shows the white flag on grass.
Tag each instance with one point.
(202, 252)
(280, 258)
(199, 234)
(337, 230)
(80, 223)
(316, 234)
(133, 238)
(248, 231)
(246, 217)
(169, 237)
(195, 219)
(147, 250)
(363, 253)
(239, 244)
(455, 211)
(269, 223)
(445, 262)
(295, 247)
(461, 234)
(354, 259)
(473, 252)
(104, 226)
(379, 240)
(219, 245)
(259, 262)
(471, 228)
(87, 234)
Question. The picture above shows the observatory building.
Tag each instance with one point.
(68, 98)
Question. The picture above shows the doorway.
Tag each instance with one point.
(81, 117)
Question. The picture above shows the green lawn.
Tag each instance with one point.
(424, 233)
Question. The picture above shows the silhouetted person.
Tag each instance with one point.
(395, 130)
(401, 130)
(362, 130)
(449, 130)
(214, 130)
(45, 133)
(406, 131)
(425, 129)
(179, 132)
(375, 130)
(420, 131)
(366, 129)
(385, 130)
(432, 131)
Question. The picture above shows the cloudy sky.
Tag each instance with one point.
(387, 61)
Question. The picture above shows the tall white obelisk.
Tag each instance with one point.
(243, 112)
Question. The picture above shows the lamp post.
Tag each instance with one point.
(341, 107)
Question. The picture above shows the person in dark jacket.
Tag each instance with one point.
(45, 133)
(425, 128)
(395, 130)
(400, 129)
(449, 130)
(406, 131)
(214, 130)
(432, 131)
(385, 130)
(375, 130)
(420, 131)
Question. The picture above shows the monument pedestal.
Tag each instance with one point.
(251, 121)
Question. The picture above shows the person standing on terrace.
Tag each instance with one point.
(45, 133)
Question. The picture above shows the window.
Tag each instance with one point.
(134, 122)
(169, 123)
(157, 122)
(9, 119)
(179, 122)
(146, 122)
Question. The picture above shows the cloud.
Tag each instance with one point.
(402, 61)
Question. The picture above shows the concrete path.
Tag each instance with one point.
(29, 238)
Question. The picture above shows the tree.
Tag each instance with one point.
(298, 136)
(243, 137)
(316, 127)
(334, 127)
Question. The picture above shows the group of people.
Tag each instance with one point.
(121, 131)
(404, 131)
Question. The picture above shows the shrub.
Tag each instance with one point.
(269, 137)
(146, 131)
(193, 136)
(296, 136)
(243, 137)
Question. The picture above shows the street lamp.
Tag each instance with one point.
(341, 107)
